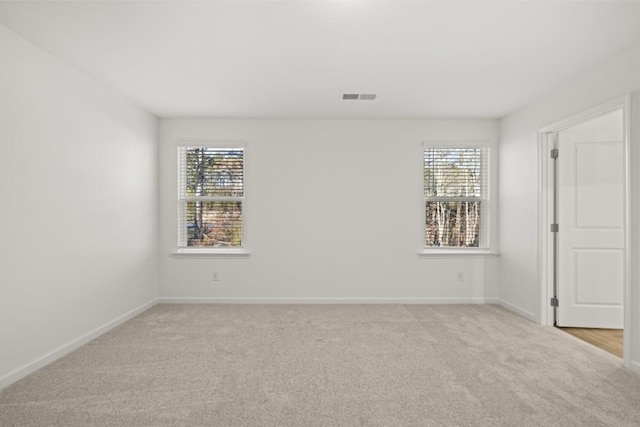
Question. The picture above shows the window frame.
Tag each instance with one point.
(181, 197)
(488, 233)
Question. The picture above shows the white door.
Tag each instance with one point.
(591, 224)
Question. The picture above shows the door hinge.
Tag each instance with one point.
(554, 228)
(554, 153)
(554, 302)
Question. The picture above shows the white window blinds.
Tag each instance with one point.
(210, 197)
(456, 195)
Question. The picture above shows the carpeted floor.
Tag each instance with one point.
(328, 365)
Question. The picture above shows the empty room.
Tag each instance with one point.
(320, 213)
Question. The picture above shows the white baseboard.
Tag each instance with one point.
(67, 348)
(517, 310)
(635, 367)
(323, 300)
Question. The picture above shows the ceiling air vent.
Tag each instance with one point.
(359, 96)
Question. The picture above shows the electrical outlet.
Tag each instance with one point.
(214, 276)
(460, 277)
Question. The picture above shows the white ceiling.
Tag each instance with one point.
(294, 59)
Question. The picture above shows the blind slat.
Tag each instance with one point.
(454, 172)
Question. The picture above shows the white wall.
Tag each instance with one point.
(518, 263)
(79, 207)
(333, 210)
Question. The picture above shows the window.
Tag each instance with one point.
(456, 197)
(210, 197)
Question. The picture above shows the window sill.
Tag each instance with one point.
(454, 253)
(222, 253)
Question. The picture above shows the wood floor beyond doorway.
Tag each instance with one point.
(607, 339)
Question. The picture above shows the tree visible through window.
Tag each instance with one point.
(211, 194)
(456, 196)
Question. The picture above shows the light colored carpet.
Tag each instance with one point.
(328, 365)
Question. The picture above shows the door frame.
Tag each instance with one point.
(546, 210)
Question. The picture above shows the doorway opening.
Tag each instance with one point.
(610, 340)
(584, 226)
